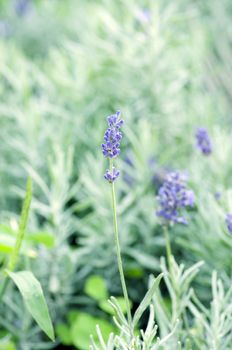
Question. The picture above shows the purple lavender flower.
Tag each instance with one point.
(217, 195)
(22, 6)
(203, 141)
(174, 196)
(5, 29)
(144, 15)
(111, 146)
(228, 221)
(111, 176)
(113, 136)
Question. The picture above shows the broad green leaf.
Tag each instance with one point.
(5, 341)
(7, 345)
(7, 229)
(106, 306)
(6, 243)
(72, 315)
(33, 297)
(146, 300)
(134, 272)
(84, 326)
(95, 287)
(42, 237)
(63, 332)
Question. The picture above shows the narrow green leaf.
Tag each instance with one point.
(146, 300)
(144, 259)
(33, 297)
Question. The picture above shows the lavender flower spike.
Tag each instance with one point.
(113, 175)
(174, 196)
(113, 136)
(111, 145)
(203, 141)
(228, 221)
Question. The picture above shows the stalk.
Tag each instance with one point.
(168, 246)
(169, 257)
(20, 236)
(118, 251)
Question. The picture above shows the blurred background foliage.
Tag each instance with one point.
(64, 66)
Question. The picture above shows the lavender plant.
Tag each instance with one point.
(56, 82)
(128, 339)
(214, 324)
(228, 221)
(203, 141)
(178, 283)
(173, 197)
(111, 149)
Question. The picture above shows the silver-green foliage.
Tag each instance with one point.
(168, 75)
(183, 324)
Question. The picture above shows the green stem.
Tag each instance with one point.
(118, 251)
(4, 287)
(20, 235)
(168, 246)
(22, 227)
(170, 260)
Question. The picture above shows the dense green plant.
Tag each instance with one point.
(63, 66)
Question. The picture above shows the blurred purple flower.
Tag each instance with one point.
(174, 196)
(217, 195)
(5, 29)
(203, 141)
(159, 173)
(22, 6)
(228, 221)
(144, 15)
